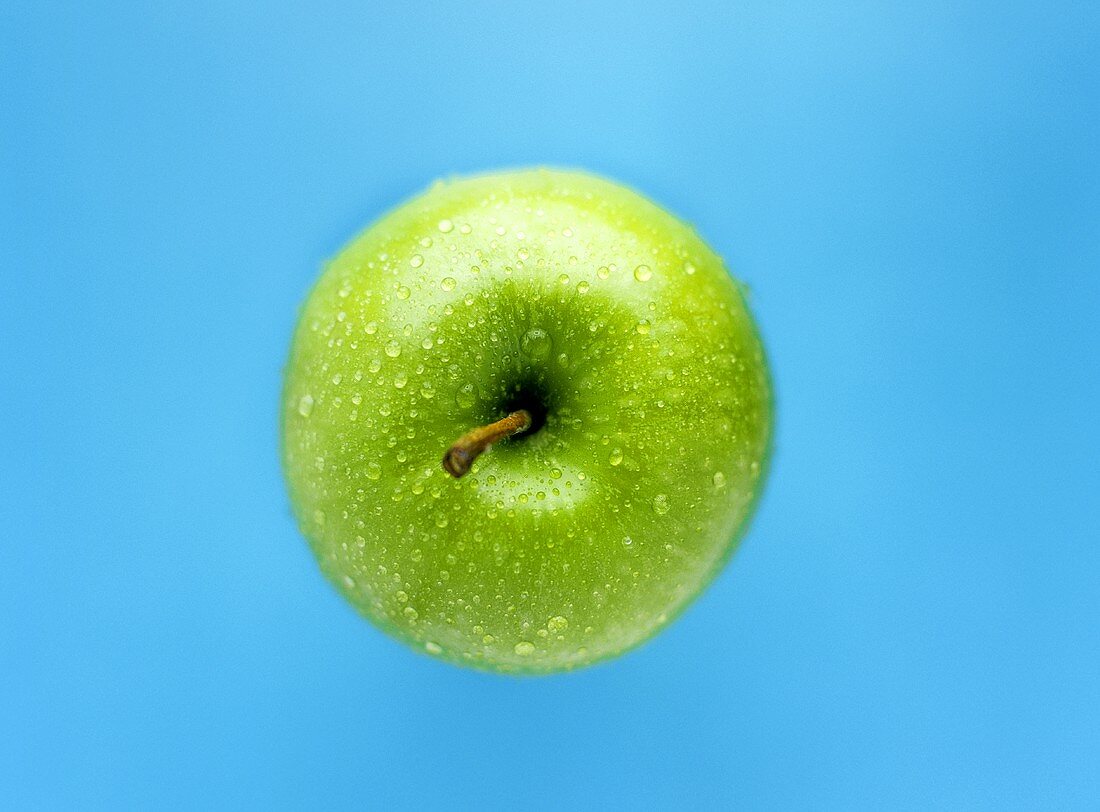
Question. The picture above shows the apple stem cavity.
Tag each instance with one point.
(474, 443)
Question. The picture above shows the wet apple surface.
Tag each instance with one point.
(631, 349)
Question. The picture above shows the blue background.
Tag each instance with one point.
(912, 193)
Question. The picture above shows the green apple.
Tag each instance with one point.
(623, 354)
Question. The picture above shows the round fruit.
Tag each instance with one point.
(641, 419)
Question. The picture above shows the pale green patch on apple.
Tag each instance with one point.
(632, 348)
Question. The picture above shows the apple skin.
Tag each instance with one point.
(566, 545)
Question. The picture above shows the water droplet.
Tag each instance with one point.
(466, 395)
(371, 328)
(427, 391)
(628, 541)
(374, 365)
(446, 226)
(555, 473)
(433, 648)
(403, 292)
(416, 260)
(719, 479)
(349, 582)
(524, 648)
(400, 379)
(689, 268)
(536, 343)
(557, 624)
(603, 272)
(416, 554)
(393, 349)
(305, 405)
(616, 456)
(402, 596)
(563, 279)
(373, 471)
(448, 283)
(643, 273)
(583, 286)
(660, 504)
(642, 327)
(411, 613)
(319, 517)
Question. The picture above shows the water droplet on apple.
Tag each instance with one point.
(583, 286)
(403, 292)
(616, 456)
(446, 226)
(536, 343)
(433, 648)
(660, 504)
(448, 283)
(305, 405)
(555, 473)
(411, 614)
(719, 479)
(524, 648)
(416, 260)
(371, 328)
(603, 272)
(642, 327)
(466, 395)
(643, 273)
(427, 391)
(416, 554)
(393, 349)
(628, 541)
(349, 582)
(400, 379)
(689, 268)
(557, 624)
(319, 517)
(373, 471)
(402, 596)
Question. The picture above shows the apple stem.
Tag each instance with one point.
(474, 443)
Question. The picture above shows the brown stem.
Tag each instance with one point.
(472, 444)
